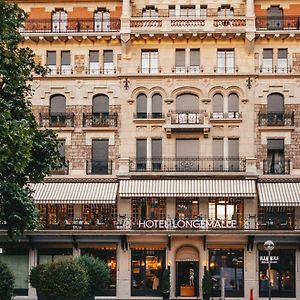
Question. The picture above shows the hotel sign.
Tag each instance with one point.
(187, 224)
(264, 259)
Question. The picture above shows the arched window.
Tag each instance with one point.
(233, 105)
(102, 20)
(57, 113)
(100, 110)
(218, 106)
(141, 106)
(275, 109)
(156, 106)
(59, 21)
(275, 18)
(187, 109)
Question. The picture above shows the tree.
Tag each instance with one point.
(7, 282)
(26, 153)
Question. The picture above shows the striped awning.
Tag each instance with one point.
(75, 192)
(279, 193)
(187, 188)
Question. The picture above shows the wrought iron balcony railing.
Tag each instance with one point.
(98, 167)
(188, 164)
(276, 167)
(64, 170)
(187, 118)
(146, 115)
(100, 120)
(56, 119)
(277, 23)
(276, 119)
(71, 26)
(146, 70)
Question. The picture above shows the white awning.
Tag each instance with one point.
(279, 193)
(75, 192)
(187, 188)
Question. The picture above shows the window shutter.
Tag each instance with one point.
(195, 57)
(108, 56)
(180, 58)
(65, 58)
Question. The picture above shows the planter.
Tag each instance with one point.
(166, 295)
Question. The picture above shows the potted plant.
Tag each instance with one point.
(166, 284)
(98, 274)
(64, 280)
(7, 282)
(206, 285)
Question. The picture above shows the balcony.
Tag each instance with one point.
(147, 116)
(233, 116)
(276, 23)
(188, 164)
(71, 26)
(64, 170)
(276, 167)
(276, 119)
(98, 167)
(100, 120)
(56, 119)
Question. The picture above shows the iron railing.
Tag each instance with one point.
(188, 164)
(56, 119)
(146, 115)
(100, 120)
(278, 23)
(145, 70)
(277, 167)
(276, 119)
(188, 69)
(64, 170)
(98, 167)
(71, 25)
(187, 117)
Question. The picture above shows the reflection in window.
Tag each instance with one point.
(228, 264)
(282, 273)
(187, 208)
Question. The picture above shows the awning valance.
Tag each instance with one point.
(279, 193)
(75, 192)
(187, 188)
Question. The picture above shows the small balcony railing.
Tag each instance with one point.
(100, 120)
(277, 69)
(188, 164)
(188, 70)
(187, 118)
(56, 119)
(226, 69)
(145, 115)
(146, 70)
(71, 26)
(98, 167)
(276, 167)
(277, 23)
(276, 119)
(226, 115)
(64, 170)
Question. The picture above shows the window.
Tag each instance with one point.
(282, 61)
(172, 11)
(187, 10)
(141, 106)
(51, 62)
(187, 208)
(225, 61)
(147, 267)
(62, 148)
(149, 61)
(100, 110)
(94, 67)
(233, 106)
(156, 106)
(203, 11)
(108, 62)
(195, 60)
(141, 154)
(282, 275)
(59, 21)
(187, 155)
(180, 66)
(156, 153)
(229, 264)
(150, 11)
(267, 66)
(102, 20)
(100, 163)
(275, 18)
(58, 115)
(187, 103)
(66, 62)
(54, 255)
(275, 162)
(233, 155)
(218, 106)
(225, 11)
(57, 216)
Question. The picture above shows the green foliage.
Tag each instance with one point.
(7, 282)
(166, 281)
(64, 280)
(98, 273)
(26, 153)
(207, 283)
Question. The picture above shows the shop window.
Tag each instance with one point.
(147, 267)
(59, 21)
(149, 61)
(228, 264)
(49, 255)
(274, 217)
(227, 209)
(282, 275)
(148, 209)
(187, 208)
(109, 257)
(102, 20)
(17, 260)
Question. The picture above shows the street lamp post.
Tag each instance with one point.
(269, 246)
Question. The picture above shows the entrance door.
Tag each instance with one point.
(187, 278)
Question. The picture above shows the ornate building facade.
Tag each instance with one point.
(179, 123)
